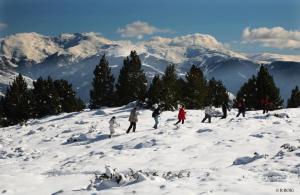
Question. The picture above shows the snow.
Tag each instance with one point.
(32, 46)
(267, 58)
(73, 56)
(258, 154)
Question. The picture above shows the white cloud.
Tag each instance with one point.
(138, 29)
(3, 25)
(276, 37)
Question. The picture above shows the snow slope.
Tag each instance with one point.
(37, 159)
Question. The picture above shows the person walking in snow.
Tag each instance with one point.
(112, 124)
(155, 114)
(133, 119)
(265, 103)
(181, 115)
(225, 107)
(241, 107)
(208, 114)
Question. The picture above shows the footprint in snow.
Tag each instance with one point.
(247, 159)
(204, 130)
(257, 135)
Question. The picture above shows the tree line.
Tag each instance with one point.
(50, 97)
(168, 90)
(47, 97)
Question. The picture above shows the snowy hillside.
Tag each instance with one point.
(73, 56)
(61, 154)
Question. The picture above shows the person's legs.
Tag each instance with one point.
(209, 119)
(156, 122)
(134, 127)
(238, 113)
(244, 113)
(182, 121)
(177, 122)
(112, 131)
(204, 119)
(224, 114)
(128, 130)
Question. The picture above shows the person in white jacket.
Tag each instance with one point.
(208, 114)
(112, 124)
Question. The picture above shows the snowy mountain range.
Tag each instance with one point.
(74, 56)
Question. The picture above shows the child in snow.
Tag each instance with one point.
(181, 115)
(133, 120)
(112, 124)
(155, 114)
(208, 114)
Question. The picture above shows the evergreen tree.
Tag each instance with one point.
(102, 93)
(195, 90)
(217, 93)
(248, 91)
(258, 88)
(67, 97)
(170, 88)
(154, 92)
(266, 87)
(132, 82)
(294, 100)
(46, 98)
(16, 103)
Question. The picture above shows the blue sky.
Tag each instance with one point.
(224, 19)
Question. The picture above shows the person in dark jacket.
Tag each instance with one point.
(155, 114)
(133, 120)
(225, 107)
(181, 115)
(265, 103)
(241, 107)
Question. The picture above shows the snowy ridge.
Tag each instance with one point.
(271, 57)
(73, 56)
(35, 47)
(230, 156)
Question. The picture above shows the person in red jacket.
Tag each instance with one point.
(181, 115)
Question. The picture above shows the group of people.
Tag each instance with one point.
(209, 113)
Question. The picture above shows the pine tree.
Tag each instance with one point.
(46, 98)
(294, 100)
(258, 88)
(170, 88)
(16, 103)
(217, 93)
(195, 90)
(248, 91)
(67, 97)
(132, 82)
(266, 87)
(102, 93)
(154, 92)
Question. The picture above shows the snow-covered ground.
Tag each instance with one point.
(194, 158)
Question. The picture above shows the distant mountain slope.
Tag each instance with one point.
(74, 56)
